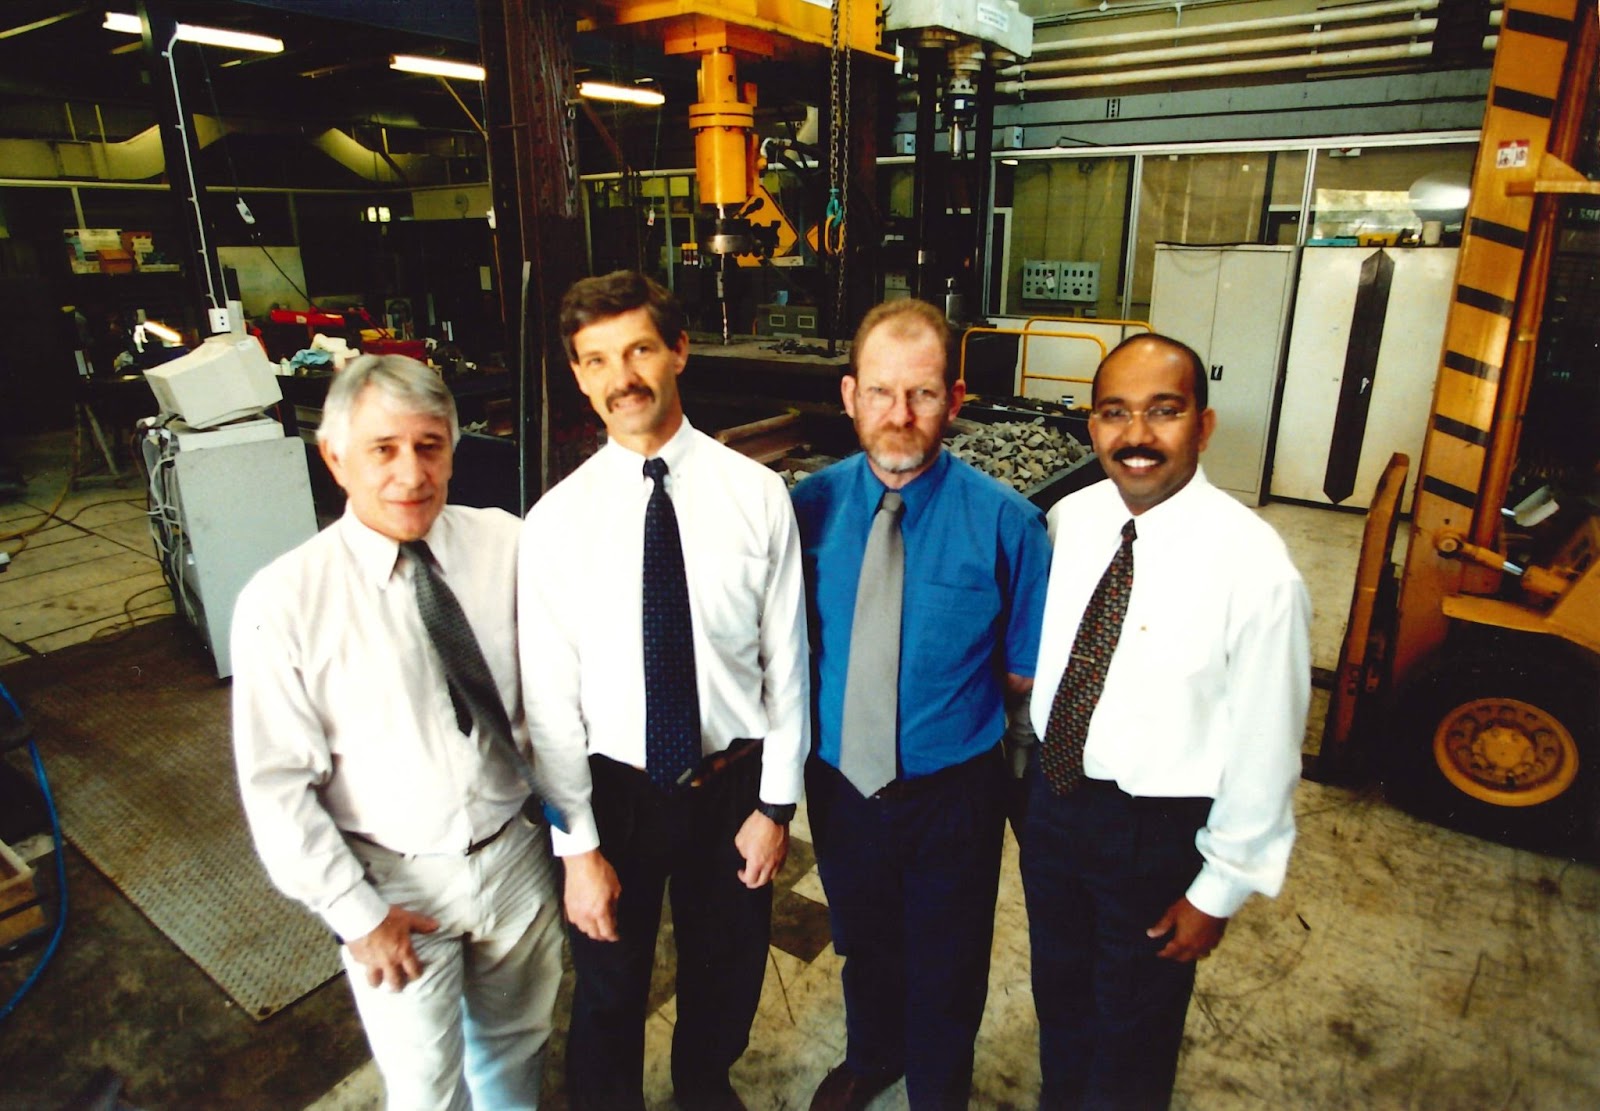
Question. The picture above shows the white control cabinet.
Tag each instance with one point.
(1231, 304)
(1313, 450)
(237, 507)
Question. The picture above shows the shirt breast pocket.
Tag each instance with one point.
(730, 590)
(956, 622)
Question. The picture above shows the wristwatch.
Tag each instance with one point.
(780, 812)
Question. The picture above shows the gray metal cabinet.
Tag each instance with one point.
(1231, 304)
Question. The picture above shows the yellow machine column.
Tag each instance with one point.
(723, 124)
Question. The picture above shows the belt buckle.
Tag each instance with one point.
(894, 789)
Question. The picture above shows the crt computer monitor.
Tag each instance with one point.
(225, 378)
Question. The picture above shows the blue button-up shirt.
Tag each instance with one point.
(977, 562)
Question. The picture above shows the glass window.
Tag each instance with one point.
(1386, 193)
(1203, 199)
(1070, 216)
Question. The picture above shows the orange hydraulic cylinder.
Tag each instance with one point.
(722, 124)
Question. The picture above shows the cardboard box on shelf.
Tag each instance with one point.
(116, 261)
(85, 244)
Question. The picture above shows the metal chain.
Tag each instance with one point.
(839, 155)
(835, 114)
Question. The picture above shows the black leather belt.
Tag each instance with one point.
(485, 842)
(719, 762)
(910, 788)
(1186, 805)
(481, 843)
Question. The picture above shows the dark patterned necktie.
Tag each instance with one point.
(1061, 753)
(671, 702)
(472, 688)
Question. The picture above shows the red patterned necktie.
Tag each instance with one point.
(1061, 753)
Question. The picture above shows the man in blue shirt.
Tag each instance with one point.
(910, 855)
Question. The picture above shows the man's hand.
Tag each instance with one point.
(386, 952)
(1194, 932)
(591, 895)
(764, 844)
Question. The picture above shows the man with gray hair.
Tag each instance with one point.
(376, 705)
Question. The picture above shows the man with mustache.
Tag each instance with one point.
(926, 582)
(661, 617)
(1174, 676)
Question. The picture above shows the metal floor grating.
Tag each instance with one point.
(134, 736)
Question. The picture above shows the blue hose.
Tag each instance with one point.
(61, 869)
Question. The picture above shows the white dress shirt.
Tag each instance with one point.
(579, 588)
(1207, 691)
(342, 718)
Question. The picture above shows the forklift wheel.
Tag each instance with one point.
(1503, 744)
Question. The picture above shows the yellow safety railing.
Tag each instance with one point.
(1025, 332)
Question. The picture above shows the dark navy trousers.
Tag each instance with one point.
(682, 843)
(1099, 868)
(911, 881)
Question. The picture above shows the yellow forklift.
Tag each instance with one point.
(1471, 681)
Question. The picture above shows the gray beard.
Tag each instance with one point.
(900, 464)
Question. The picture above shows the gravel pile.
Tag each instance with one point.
(1020, 453)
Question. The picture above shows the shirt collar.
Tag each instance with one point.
(620, 461)
(377, 556)
(916, 494)
(1173, 516)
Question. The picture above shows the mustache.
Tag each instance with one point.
(617, 395)
(1123, 454)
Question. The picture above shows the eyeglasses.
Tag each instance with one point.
(924, 403)
(1119, 416)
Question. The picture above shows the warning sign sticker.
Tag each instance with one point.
(1511, 154)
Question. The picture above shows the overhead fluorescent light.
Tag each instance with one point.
(628, 94)
(436, 67)
(208, 36)
(1008, 161)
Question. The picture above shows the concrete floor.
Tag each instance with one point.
(1404, 966)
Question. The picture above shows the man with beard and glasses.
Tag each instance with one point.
(1174, 675)
(926, 583)
(662, 626)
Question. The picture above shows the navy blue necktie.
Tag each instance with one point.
(671, 701)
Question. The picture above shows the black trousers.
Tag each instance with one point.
(1098, 869)
(681, 843)
(911, 882)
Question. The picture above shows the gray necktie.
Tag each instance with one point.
(867, 738)
(472, 688)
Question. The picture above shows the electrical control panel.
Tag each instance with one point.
(1040, 279)
(1060, 280)
(1080, 281)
